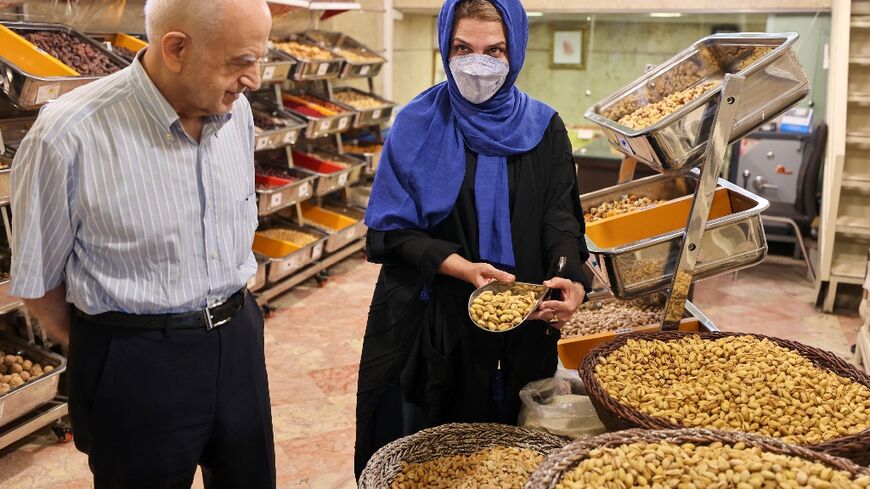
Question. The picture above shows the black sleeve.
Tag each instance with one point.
(564, 227)
(409, 247)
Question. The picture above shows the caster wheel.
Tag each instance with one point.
(63, 433)
(322, 278)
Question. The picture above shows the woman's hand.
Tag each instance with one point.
(557, 313)
(477, 274)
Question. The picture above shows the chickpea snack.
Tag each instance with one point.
(693, 458)
(734, 382)
(462, 456)
(501, 307)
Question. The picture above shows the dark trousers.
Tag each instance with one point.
(149, 406)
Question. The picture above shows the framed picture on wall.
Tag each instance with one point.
(438, 74)
(569, 47)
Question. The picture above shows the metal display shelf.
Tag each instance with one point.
(756, 77)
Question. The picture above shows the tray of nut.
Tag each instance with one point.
(313, 62)
(499, 307)
(664, 117)
(275, 66)
(634, 252)
(40, 62)
(360, 61)
(334, 171)
(289, 246)
(281, 186)
(371, 109)
(322, 116)
(29, 377)
(275, 128)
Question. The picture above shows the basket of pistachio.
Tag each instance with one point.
(732, 381)
(460, 455)
(697, 458)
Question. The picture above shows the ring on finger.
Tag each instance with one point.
(555, 318)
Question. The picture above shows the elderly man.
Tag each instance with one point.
(134, 213)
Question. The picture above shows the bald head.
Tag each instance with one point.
(205, 53)
(196, 18)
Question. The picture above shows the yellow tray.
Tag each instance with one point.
(273, 248)
(648, 223)
(127, 41)
(28, 58)
(325, 218)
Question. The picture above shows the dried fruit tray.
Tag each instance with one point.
(775, 81)
(572, 350)
(360, 61)
(287, 257)
(275, 193)
(31, 77)
(279, 136)
(310, 69)
(369, 116)
(258, 281)
(320, 122)
(23, 399)
(331, 177)
(634, 254)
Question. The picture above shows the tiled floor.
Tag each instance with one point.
(313, 343)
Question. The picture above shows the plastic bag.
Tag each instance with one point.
(560, 406)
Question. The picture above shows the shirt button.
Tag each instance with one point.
(167, 136)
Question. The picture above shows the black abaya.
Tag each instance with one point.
(421, 349)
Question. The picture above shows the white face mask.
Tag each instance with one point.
(478, 76)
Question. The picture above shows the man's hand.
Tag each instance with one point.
(477, 274)
(53, 313)
(557, 313)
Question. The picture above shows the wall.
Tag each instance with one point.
(815, 37)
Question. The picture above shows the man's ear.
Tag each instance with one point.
(173, 44)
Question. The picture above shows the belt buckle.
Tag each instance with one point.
(210, 323)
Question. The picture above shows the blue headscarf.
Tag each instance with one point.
(423, 162)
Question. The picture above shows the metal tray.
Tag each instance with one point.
(278, 138)
(311, 69)
(28, 91)
(25, 398)
(774, 83)
(368, 117)
(334, 41)
(321, 126)
(341, 238)
(730, 243)
(276, 67)
(111, 40)
(279, 268)
(258, 281)
(330, 182)
(274, 199)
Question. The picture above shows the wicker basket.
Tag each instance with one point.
(447, 440)
(554, 467)
(618, 416)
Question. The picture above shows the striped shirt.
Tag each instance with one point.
(112, 198)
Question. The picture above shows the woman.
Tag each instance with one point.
(476, 183)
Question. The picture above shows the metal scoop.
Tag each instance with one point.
(541, 292)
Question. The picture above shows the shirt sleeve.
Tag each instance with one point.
(564, 227)
(409, 247)
(41, 226)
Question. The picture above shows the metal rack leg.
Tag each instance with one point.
(687, 255)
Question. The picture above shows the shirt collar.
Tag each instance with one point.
(156, 104)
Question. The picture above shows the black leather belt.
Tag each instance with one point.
(208, 318)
